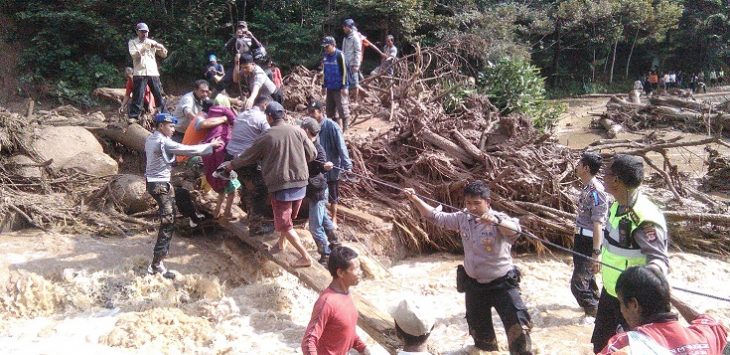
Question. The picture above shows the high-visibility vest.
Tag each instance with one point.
(623, 257)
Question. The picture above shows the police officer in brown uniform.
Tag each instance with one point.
(592, 213)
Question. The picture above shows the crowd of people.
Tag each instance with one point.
(276, 163)
(654, 81)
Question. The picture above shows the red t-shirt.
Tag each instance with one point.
(331, 331)
(705, 336)
(148, 97)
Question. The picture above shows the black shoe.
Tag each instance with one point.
(160, 269)
(324, 259)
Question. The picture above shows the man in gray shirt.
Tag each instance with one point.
(259, 84)
(592, 212)
(189, 106)
(249, 126)
(489, 277)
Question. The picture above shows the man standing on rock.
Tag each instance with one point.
(331, 330)
(143, 51)
(334, 87)
(592, 208)
(333, 142)
(284, 151)
(160, 151)
(488, 276)
(636, 234)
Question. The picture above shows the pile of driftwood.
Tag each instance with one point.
(677, 112)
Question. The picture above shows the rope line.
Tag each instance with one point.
(524, 233)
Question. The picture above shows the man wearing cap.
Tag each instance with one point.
(214, 71)
(259, 84)
(243, 42)
(635, 234)
(189, 106)
(332, 328)
(413, 325)
(160, 151)
(284, 151)
(249, 126)
(592, 210)
(334, 86)
(352, 49)
(320, 224)
(333, 142)
(143, 51)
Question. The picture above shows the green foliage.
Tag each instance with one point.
(515, 85)
(457, 93)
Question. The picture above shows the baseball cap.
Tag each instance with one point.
(328, 40)
(165, 117)
(311, 125)
(314, 105)
(212, 57)
(412, 318)
(142, 27)
(243, 24)
(275, 110)
(349, 23)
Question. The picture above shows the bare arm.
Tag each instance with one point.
(423, 208)
(687, 312)
(213, 122)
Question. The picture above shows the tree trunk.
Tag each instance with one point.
(613, 61)
(556, 54)
(631, 52)
(593, 67)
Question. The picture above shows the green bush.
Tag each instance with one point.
(515, 85)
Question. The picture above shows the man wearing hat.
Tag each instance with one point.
(284, 151)
(160, 151)
(352, 49)
(143, 51)
(243, 42)
(335, 84)
(413, 325)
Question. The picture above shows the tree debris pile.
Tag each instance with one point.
(718, 172)
(685, 114)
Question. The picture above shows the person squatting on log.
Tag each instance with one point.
(284, 151)
(413, 325)
(259, 84)
(644, 296)
(331, 330)
(334, 86)
(143, 51)
(592, 208)
(249, 126)
(160, 152)
(333, 141)
(488, 277)
(636, 234)
(320, 224)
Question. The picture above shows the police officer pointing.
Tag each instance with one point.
(636, 234)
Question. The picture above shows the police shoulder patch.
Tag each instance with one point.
(650, 232)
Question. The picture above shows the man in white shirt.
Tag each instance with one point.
(143, 51)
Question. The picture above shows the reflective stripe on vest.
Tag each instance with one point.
(623, 258)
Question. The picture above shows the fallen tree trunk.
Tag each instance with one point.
(470, 148)
(612, 128)
(446, 145)
(132, 137)
(677, 216)
(113, 94)
(677, 102)
(624, 105)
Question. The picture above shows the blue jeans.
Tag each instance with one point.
(319, 221)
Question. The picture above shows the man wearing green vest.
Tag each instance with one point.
(635, 234)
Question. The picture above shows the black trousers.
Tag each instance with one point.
(140, 84)
(254, 193)
(583, 282)
(608, 319)
(164, 194)
(504, 295)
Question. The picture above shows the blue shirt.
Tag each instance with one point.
(333, 142)
(335, 72)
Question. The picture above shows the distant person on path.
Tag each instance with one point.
(334, 87)
(413, 325)
(189, 106)
(248, 127)
(592, 209)
(636, 234)
(160, 152)
(144, 51)
(320, 224)
(259, 84)
(284, 151)
(488, 276)
(331, 330)
(333, 142)
(149, 100)
(644, 296)
(352, 49)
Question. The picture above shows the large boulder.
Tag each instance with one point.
(65, 145)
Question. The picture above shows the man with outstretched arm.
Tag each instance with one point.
(160, 152)
(636, 234)
(488, 277)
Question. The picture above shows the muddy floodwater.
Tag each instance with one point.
(82, 294)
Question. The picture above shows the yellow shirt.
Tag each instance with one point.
(143, 56)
